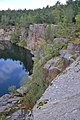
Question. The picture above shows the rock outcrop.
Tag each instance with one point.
(61, 100)
(10, 104)
(6, 32)
(7, 101)
(36, 33)
(57, 64)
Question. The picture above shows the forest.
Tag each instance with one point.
(57, 14)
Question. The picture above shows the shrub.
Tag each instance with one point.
(37, 85)
(22, 43)
(14, 37)
(12, 88)
(2, 117)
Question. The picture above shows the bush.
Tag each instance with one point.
(14, 37)
(37, 85)
(12, 88)
(2, 117)
(22, 43)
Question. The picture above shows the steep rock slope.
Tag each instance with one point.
(61, 100)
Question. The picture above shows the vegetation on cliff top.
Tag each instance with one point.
(67, 14)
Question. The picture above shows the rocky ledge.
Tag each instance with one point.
(11, 105)
(61, 100)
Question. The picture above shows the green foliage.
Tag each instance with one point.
(22, 43)
(78, 21)
(54, 14)
(12, 88)
(49, 33)
(69, 13)
(4, 19)
(14, 37)
(2, 117)
(38, 83)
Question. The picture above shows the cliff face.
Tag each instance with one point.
(35, 34)
(5, 33)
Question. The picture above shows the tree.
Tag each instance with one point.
(78, 21)
(4, 19)
(14, 37)
(69, 13)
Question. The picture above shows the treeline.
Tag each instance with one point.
(58, 13)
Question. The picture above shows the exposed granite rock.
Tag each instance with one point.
(11, 105)
(36, 34)
(74, 47)
(63, 97)
(5, 33)
(21, 115)
(60, 40)
(7, 101)
(53, 72)
(1, 32)
(67, 55)
(50, 70)
(56, 65)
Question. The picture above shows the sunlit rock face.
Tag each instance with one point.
(6, 33)
(36, 33)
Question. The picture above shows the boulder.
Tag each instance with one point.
(67, 55)
(53, 72)
(60, 40)
(74, 47)
(7, 37)
(7, 101)
(50, 68)
(1, 32)
(48, 65)
(56, 65)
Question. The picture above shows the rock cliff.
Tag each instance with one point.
(36, 33)
(32, 35)
(6, 32)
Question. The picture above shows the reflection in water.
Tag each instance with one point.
(15, 64)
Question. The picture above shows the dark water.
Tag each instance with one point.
(15, 65)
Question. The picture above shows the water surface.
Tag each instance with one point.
(15, 65)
